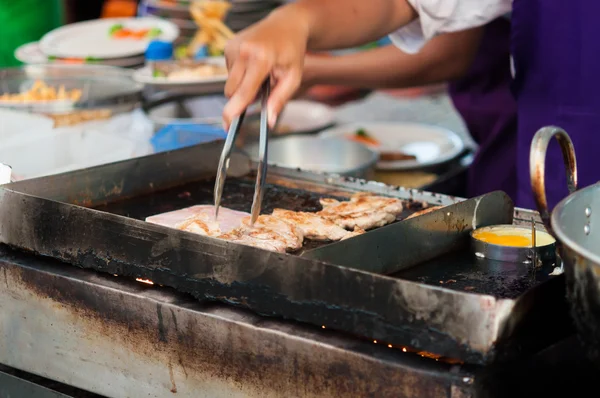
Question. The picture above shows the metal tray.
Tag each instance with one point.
(103, 87)
(92, 218)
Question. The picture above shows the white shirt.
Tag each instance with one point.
(445, 16)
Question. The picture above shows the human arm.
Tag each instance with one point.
(445, 57)
(275, 47)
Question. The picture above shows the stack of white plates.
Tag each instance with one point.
(242, 13)
(175, 11)
(89, 42)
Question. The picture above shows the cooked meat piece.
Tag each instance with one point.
(192, 218)
(269, 233)
(424, 211)
(202, 224)
(357, 231)
(312, 225)
(261, 238)
(287, 232)
(363, 210)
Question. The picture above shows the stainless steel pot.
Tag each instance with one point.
(575, 223)
(325, 155)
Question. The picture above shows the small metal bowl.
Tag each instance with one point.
(545, 245)
(325, 155)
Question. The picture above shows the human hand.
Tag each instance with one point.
(273, 48)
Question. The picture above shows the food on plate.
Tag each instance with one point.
(76, 61)
(41, 92)
(118, 31)
(212, 33)
(186, 70)
(312, 225)
(361, 136)
(191, 219)
(407, 179)
(387, 156)
(73, 118)
(363, 210)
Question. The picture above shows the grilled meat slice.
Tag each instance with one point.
(202, 224)
(269, 233)
(363, 210)
(357, 231)
(312, 225)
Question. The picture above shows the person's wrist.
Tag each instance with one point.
(296, 17)
(315, 69)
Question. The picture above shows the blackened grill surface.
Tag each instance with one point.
(457, 271)
(237, 195)
(462, 271)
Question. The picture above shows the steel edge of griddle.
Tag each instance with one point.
(470, 327)
(164, 341)
(358, 185)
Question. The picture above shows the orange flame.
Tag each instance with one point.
(148, 281)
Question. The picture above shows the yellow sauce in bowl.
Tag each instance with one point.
(510, 235)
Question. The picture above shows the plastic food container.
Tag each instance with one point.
(59, 153)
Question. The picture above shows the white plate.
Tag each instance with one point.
(144, 76)
(305, 117)
(31, 53)
(432, 145)
(92, 39)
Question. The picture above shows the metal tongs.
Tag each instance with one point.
(261, 172)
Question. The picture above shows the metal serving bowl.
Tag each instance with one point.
(325, 155)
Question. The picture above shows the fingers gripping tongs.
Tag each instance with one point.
(261, 172)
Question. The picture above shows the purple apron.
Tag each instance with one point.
(486, 103)
(556, 50)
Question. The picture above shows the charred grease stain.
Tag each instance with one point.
(259, 364)
(172, 378)
(162, 335)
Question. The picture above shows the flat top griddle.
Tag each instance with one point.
(237, 195)
(461, 271)
(448, 304)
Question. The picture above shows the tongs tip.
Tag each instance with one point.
(262, 163)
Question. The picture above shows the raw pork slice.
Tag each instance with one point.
(201, 220)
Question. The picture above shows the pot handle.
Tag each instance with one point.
(537, 167)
